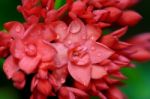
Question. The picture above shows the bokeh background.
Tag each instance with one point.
(138, 83)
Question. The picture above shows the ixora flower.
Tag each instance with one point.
(5, 40)
(65, 50)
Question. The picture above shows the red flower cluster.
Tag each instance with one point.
(66, 50)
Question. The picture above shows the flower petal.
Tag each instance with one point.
(19, 85)
(18, 76)
(120, 32)
(37, 95)
(33, 33)
(61, 30)
(71, 96)
(16, 29)
(17, 49)
(93, 32)
(48, 33)
(80, 74)
(34, 83)
(98, 52)
(46, 51)
(61, 56)
(142, 40)
(98, 72)
(60, 75)
(109, 40)
(130, 18)
(10, 67)
(77, 91)
(29, 64)
(44, 87)
(64, 93)
(115, 13)
(115, 93)
(5, 39)
(140, 54)
(77, 33)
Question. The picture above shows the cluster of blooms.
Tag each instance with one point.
(67, 52)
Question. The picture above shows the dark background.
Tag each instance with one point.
(138, 83)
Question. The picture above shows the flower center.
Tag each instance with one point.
(31, 50)
(79, 56)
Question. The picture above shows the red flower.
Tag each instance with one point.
(68, 54)
(140, 49)
(5, 40)
(12, 71)
(71, 93)
(130, 18)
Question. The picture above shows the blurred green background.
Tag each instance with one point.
(138, 83)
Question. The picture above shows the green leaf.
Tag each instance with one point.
(137, 84)
(1, 63)
(8, 93)
(59, 3)
(94, 97)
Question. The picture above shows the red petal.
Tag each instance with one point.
(32, 19)
(118, 75)
(37, 95)
(103, 25)
(29, 64)
(100, 15)
(17, 49)
(115, 13)
(80, 74)
(77, 92)
(10, 67)
(61, 30)
(46, 51)
(77, 33)
(142, 40)
(115, 93)
(33, 33)
(19, 85)
(42, 73)
(112, 67)
(60, 75)
(120, 32)
(129, 18)
(121, 45)
(93, 33)
(34, 83)
(101, 95)
(48, 34)
(101, 85)
(98, 72)
(61, 56)
(109, 40)
(98, 52)
(140, 54)
(122, 4)
(65, 94)
(50, 4)
(18, 76)
(71, 96)
(78, 7)
(16, 29)
(4, 38)
(44, 87)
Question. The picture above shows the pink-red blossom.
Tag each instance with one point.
(66, 50)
